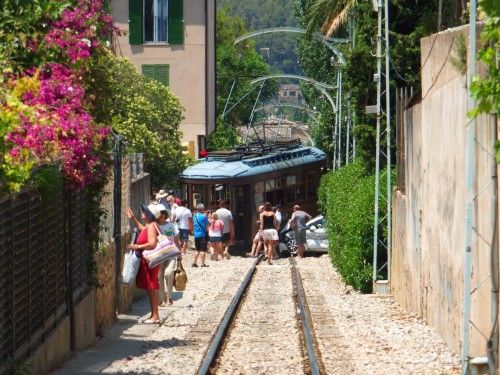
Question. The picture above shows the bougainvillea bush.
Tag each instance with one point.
(45, 114)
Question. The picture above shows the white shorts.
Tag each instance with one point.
(270, 235)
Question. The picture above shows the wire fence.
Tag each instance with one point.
(44, 271)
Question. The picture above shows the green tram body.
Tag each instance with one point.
(288, 174)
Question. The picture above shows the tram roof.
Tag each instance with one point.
(233, 165)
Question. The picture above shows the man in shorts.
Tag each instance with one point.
(184, 219)
(228, 233)
(298, 224)
(200, 222)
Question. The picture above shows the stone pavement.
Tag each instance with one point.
(121, 341)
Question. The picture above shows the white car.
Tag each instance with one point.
(316, 238)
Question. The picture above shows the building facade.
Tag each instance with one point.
(173, 41)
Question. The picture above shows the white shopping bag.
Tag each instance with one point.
(130, 267)
(131, 263)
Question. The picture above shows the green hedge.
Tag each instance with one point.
(346, 199)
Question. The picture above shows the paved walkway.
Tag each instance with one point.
(122, 341)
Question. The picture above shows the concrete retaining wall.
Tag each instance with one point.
(428, 257)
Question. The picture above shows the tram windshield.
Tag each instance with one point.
(209, 194)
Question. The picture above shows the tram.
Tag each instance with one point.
(285, 173)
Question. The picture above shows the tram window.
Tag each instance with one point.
(270, 184)
(290, 180)
(311, 176)
(199, 194)
(270, 197)
(280, 182)
(300, 193)
(184, 191)
(258, 200)
(259, 187)
(280, 197)
(290, 195)
(311, 189)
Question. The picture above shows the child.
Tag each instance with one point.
(215, 230)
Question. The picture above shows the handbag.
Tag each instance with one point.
(130, 265)
(180, 277)
(164, 250)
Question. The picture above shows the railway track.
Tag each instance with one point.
(267, 326)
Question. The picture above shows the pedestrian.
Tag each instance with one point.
(215, 230)
(147, 278)
(173, 206)
(298, 224)
(268, 226)
(279, 215)
(177, 200)
(200, 222)
(167, 268)
(228, 233)
(184, 219)
(161, 197)
(257, 242)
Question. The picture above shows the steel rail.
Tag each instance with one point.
(306, 323)
(218, 339)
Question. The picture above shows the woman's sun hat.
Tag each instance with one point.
(161, 194)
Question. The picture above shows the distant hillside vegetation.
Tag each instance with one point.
(260, 14)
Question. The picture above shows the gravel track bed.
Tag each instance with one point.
(264, 338)
(178, 345)
(369, 334)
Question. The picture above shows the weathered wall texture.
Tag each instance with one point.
(429, 218)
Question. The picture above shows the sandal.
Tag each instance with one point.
(194, 265)
(151, 321)
(204, 265)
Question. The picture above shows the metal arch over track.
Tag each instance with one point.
(328, 42)
(294, 76)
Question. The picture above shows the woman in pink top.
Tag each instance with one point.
(215, 230)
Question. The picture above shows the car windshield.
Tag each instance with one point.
(317, 222)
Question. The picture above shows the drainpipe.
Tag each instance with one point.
(493, 339)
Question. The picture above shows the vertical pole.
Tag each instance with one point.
(470, 175)
(377, 156)
(335, 132)
(388, 138)
(347, 144)
(339, 108)
(353, 136)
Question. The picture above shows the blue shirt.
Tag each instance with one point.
(200, 223)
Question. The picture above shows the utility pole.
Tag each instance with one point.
(383, 82)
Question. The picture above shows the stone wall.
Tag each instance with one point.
(134, 190)
(428, 258)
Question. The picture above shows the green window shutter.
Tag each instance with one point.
(149, 71)
(175, 22)
(162, 74)
(159, 73)
(135, 25)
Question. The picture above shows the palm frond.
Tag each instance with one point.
(327, 15)
(317, 12)
(336, 20)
